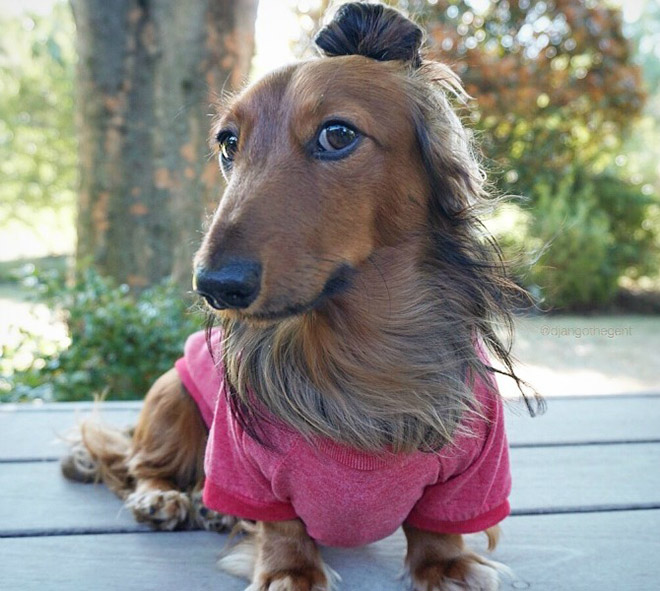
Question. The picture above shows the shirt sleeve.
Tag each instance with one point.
(472, 492)
(200, 373)
(238, 471)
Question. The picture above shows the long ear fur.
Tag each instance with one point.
(371, 30)
(462, 249)
(457, 180)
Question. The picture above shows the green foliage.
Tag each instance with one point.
(37, 140)
(575, 238)
(120, 341)
(586, 232)
(629, 209)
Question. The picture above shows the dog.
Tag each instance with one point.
(347, 389)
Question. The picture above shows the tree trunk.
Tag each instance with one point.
(148, 74)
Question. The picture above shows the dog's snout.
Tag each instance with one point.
(234, 285)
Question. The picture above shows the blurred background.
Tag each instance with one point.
(106, 176)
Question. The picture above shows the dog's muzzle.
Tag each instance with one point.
(235, 285)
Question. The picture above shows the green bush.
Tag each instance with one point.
(574, 240)
(120, 341)
(634, 250)
(580, 236)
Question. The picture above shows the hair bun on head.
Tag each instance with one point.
(371, 30)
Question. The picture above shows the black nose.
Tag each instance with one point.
(234, 285)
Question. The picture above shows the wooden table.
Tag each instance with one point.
(586, 510)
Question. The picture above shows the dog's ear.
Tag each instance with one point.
(371, 30)
(446, 146)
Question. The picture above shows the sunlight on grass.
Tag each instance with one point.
(27, 330)
(51, 234)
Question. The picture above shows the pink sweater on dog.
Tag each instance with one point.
(346, 497)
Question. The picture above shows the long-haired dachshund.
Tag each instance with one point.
(347, 390)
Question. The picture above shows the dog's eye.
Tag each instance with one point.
(228, 143)
(336, 140)
(336, 137)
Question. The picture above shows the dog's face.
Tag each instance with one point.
(323, 167)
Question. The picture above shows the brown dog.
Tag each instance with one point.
(357, 295)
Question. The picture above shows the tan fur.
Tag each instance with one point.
(157, 454)
(287, 558)
(109, 449)
(441, 562)
(158, 467)
(260, 556)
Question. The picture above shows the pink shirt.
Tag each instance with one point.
(346, 497)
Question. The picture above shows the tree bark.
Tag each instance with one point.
(148, 74)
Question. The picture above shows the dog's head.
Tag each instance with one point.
(346, 258)
(329, 160)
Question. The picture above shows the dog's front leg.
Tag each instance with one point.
(287, 559)
(441, 562)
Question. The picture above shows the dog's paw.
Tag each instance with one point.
(304, 579)
(204, 518)
(161, 509)
(79, 465)
(468, 572)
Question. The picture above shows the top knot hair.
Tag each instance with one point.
(371, 30)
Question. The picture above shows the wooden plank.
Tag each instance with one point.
(182, 560)
(37, 433)
(140, 562)
(32, 407)
(585, 478)
(587, 420)
(605, 551)
(585, 552)
(554, 479)
(37, 499)
(30, 432)
(609, 551)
